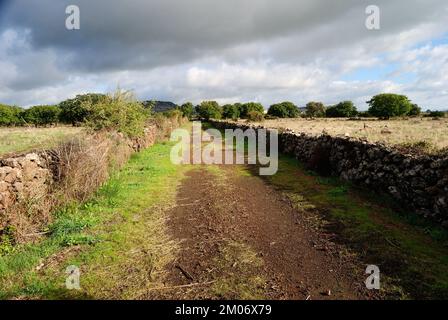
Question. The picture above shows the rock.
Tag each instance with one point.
(18, 186)
(394, 192)
(441, 202)
(11, 177)
(4, 171)
(4, 186)
(32, 157)
(6, 199)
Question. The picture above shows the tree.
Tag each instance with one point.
(10, 116)
(75, 111)
(119, 111)
(42, 115)
(415, 110)
(435, 114)
(231, 111)
(255, 116)
(209, 110)
(343, 109)
(388, 105)
(284, 110)
(315, 109)
(246, 108)
(187, 110)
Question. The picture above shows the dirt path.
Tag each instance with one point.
(241, 239)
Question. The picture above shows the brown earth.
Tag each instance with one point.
(235, 246)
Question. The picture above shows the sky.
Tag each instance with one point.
(226, 50)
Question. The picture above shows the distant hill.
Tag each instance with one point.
(160, 106)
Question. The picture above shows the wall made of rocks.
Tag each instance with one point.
(417, 182)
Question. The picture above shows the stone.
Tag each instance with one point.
(4, 186)
(18, 186)
(441, 202)
(11, 177)
(32, 157)
(6, 199)
(4, 171)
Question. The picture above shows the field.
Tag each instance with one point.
(391, 132)
(21, 139)
(156, 230)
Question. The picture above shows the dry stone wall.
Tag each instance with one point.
(419, 183)
(31, 176)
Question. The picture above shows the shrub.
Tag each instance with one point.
(364, 114)
(345, 109)
(75, 111)
(255, 116)
(119, 111)
(209, 110)
(284, 110)
(388, 105)
(415, 110)
(436, 114)
(187, 110)
(231, 111)
(246, 108)
(42, 115)
(10, 116)
(315, 109)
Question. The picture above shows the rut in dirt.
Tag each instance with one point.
(242, 239)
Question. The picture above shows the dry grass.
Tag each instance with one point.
(392, 132)
(21, 139)
(81, 165)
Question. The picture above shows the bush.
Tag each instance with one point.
(42, 115)
(255, 116)
(388, 105)
(436, 114)
(209, 110)
(10, 116)
(231, 111)
(249, 107)
(284, 110)
(315, 109)
(415, 110)
(345, 109)
(120, 112)
(364, 114)
(75, 111)
(187, 110)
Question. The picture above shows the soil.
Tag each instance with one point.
(242, 239)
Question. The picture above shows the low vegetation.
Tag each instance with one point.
(102, 234)
(23, 139)
(390, 132)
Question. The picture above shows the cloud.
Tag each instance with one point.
(227, 50)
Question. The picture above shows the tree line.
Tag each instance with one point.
(100, 110)
(383, 106)
(118, 111)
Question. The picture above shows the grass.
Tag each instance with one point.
(117, 239)
(412, 255)
(22, 139)
(392, 132)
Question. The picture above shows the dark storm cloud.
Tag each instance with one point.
(229, 50)
(137, 34)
